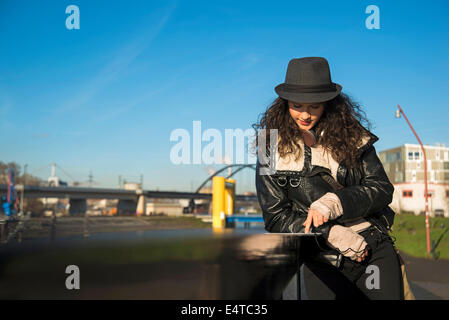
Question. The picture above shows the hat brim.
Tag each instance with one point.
(307, 97)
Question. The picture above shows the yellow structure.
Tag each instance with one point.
(229, 195)
(223, 201)
(141, 205)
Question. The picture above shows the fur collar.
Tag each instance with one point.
(319, 157)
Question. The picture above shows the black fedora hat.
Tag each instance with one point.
(308, 80)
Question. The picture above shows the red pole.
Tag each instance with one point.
(425, 179)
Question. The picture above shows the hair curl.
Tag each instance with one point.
(340, 124)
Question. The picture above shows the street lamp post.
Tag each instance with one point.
(398, 115)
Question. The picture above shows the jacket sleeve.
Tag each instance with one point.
(277, 209)
(374, 192)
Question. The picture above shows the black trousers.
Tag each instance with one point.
(378, 277)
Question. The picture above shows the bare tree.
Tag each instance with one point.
(29, 179)
(30, 205)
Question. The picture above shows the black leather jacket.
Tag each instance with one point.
(286, 195)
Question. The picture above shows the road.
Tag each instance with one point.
(429, 279)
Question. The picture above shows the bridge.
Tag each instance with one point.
(128, 199)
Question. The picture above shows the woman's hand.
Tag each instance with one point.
(363, 256)
(316, 217)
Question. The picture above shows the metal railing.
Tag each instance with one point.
(182, 264)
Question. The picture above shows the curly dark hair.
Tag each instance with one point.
(340, 122)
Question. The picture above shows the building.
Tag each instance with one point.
(404, 166)
(170, 207)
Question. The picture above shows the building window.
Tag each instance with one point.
(407, 193)
(414, 155)
(446, 176)
(447, 193)
(438, 155)
(418, 164)
(446, 165)
(446, 156)
(392, 157)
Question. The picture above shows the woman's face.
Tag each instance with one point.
(306, 115)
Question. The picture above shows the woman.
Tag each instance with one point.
(326, 178)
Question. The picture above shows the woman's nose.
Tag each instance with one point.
(305, 115)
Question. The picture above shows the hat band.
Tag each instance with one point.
(309, 88)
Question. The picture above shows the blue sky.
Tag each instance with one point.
(106, 97)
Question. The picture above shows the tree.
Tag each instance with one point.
(29, 179)
(30, 205)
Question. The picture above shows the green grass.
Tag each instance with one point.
(410, 233)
